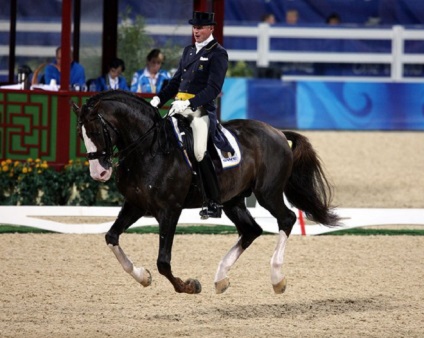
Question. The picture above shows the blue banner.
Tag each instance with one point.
(360, 106)
(319, 105)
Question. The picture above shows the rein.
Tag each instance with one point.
(132, 146)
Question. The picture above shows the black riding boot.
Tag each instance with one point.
(210, 187)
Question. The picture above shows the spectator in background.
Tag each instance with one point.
(113, 79)
(268, 18)
(76, 76)
(152, 78)
(292, 16)
(333, 19)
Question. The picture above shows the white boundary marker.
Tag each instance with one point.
(352, 218)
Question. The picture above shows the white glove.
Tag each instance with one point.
(155, 101)
(178, 107)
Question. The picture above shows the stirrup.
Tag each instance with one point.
(211, 210)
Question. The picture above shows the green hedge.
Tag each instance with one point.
(35, 183)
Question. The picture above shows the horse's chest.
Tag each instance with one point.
(133, 187)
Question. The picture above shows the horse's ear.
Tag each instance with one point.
(75, 107)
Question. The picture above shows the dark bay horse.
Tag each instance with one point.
(155, 179)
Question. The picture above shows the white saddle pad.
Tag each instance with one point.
(227, 160)
(230, 161)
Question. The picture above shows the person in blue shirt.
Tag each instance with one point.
(113, 79)
(52, 71)
(152, 78)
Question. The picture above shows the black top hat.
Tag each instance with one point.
(202, 19)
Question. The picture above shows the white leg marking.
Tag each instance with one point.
(278, 258)
(139, 274)
(228, 261)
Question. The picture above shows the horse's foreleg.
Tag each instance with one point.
(166, 237)
(127, 216)
(140, 274)
(222, 282)
(279, 282)
(190, 286)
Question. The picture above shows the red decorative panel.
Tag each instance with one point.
(27, 126)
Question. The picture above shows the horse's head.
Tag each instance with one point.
(99, 136)
(109, 117)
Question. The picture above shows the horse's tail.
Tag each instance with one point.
(308, 188)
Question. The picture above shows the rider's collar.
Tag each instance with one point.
(200, 45)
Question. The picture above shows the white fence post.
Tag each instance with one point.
(397, 53)
(263, 45)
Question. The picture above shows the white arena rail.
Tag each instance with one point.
(32, 216)
(263, 56)
(397, 35)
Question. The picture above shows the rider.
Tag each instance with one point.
(196, 84)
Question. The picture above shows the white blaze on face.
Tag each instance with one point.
(97, 171)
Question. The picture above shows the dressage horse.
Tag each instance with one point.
(155, 179)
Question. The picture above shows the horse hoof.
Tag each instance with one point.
(147, 280)
(281, 286)
(222, 285)
(193, 286)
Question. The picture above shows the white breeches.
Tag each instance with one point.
(200, 127)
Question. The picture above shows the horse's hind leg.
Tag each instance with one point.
(127, 216)
(286, 219)
(248, 230)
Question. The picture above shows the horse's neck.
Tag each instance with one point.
(131, 120)
(133, 130)
(136, 133)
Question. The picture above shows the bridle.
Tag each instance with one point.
(108, 152)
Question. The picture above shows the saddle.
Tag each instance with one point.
(184, 136)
